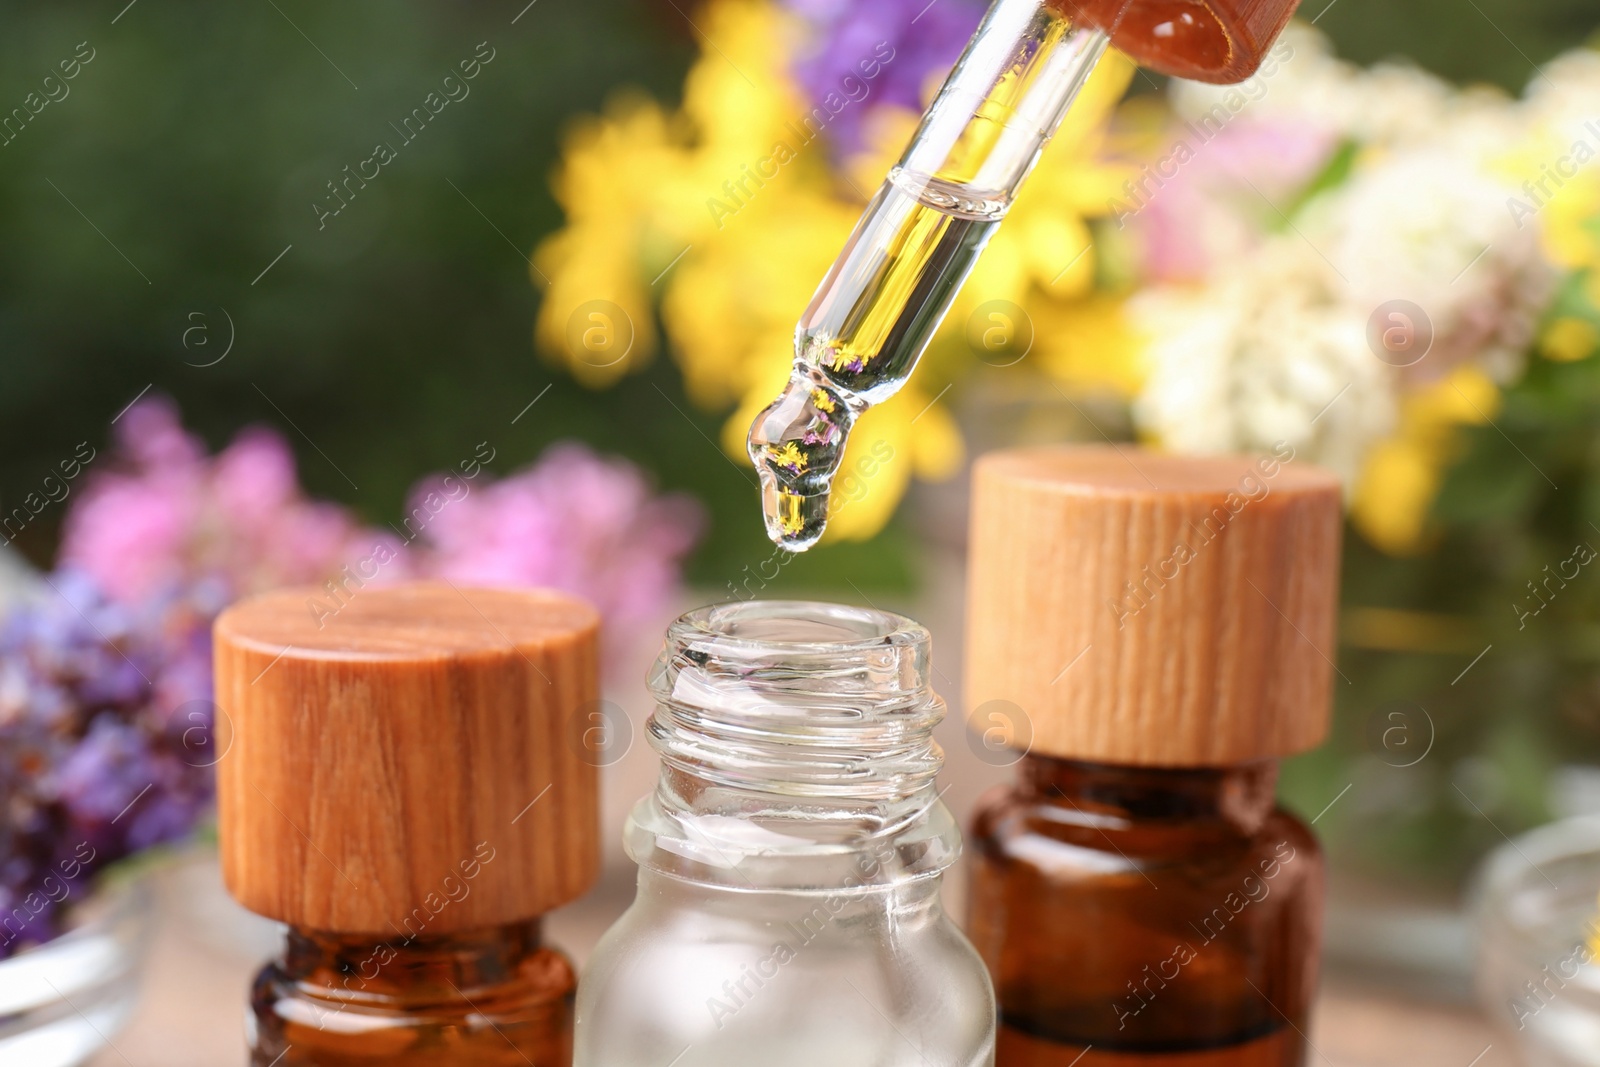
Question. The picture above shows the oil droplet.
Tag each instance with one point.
(797, 444)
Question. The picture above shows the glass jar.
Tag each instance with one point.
(790, 858)
(1146, 915)
(1538, 932)
(68, 998)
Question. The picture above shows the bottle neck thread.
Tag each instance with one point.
(793, 729)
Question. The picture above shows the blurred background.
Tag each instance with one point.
(271, 271)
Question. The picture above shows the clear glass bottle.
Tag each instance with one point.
(790, 858)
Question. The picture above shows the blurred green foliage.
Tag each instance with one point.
(1451, 738)
(1467, 41)
(189, 152)
(143, 206)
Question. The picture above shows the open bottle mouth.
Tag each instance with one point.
(790, 728)
(803, 635)
(833, 694)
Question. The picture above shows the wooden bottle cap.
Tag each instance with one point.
(1135, 608)
(407, 759)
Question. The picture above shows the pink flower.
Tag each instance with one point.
(152, 436)
(575, 521)
(129, 535)
(106, 735)
(255, 475)
(161, 516)
(165, 515)
(1223, 194)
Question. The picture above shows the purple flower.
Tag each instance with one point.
(164, 816)
(908, 45)
(29, 917)
(111, 767)
(94, 766)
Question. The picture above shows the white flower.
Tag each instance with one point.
(1277, 344)
(1564, 97)
(1390, 106)
(1299, 77)
(1433, 229)
(1265, 353)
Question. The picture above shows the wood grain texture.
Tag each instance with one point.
(379, 761)
(1148, 609)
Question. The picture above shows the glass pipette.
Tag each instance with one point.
(883, 298)
(891, 286)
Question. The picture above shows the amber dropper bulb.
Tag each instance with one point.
(882, 300)
(1153, 633)
(404, 784)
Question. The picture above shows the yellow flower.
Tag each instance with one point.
(643, 189)
(1045, 242)
(725, 216)
(1569, 339)
(1569, 231)
(790, 519)
(905, 436)
(1401, 476)
(1563, 208)
(789, 455)
(731, 305)
(1089, 346)
(592, 267)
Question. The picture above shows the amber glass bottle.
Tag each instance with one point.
(1153, 633)
(406, 787)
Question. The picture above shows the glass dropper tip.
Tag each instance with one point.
(794, 521)
(797, 444)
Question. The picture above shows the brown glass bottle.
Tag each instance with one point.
(1138, 911)
(1151, 633)
(405, 786)
(496, 997)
